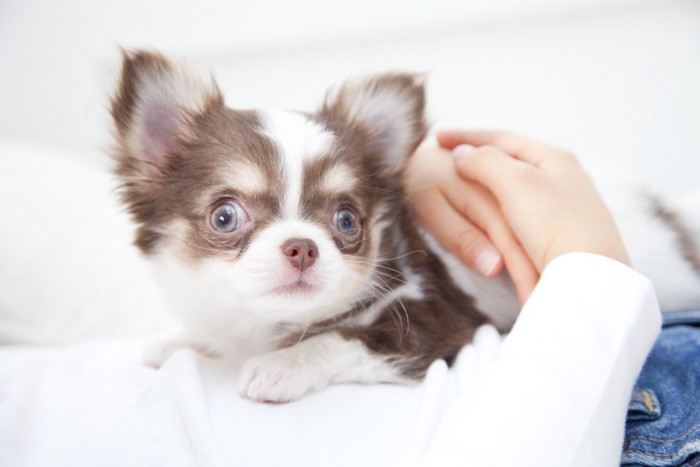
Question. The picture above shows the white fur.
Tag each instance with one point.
(237, 305)
(287, 374)
(233, 309)
(654, 249)
(299, 141)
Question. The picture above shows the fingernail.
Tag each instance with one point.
(462, 150)
(487, 261)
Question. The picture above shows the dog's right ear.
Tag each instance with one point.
(154, 109)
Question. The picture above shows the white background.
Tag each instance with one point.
(611, 79)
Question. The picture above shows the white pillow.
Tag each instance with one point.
(68, 267)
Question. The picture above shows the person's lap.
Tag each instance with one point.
(663, 421)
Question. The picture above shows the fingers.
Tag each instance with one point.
(469, 244)
(496, 171)
(475, 203)
(528, 150)
(466, 218)
(461, 237)
(549, 200)
(490, 220)
(430, 171)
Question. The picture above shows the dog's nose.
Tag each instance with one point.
(301, 252)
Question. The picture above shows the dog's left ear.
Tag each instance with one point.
(388, 110)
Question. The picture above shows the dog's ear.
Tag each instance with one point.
(388, 110)
(154, 109)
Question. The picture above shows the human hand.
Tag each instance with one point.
(465, 218)
(549, 201)
(531, 201)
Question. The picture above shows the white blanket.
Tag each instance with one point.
(96, 404)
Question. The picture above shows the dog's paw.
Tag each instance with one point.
(279, 377)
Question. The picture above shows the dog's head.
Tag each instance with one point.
(278, 214)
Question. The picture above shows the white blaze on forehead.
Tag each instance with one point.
(299, 140)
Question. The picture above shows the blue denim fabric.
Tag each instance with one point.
(663, 419)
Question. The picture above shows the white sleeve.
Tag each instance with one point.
(557, 392)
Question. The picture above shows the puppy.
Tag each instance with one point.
(285, 238)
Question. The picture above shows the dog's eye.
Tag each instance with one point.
(227, 217)
(346, 221)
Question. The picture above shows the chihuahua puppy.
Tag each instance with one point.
(285, 238)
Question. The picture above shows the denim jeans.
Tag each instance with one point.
(663, 419)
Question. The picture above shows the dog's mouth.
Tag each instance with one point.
(298, 287)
